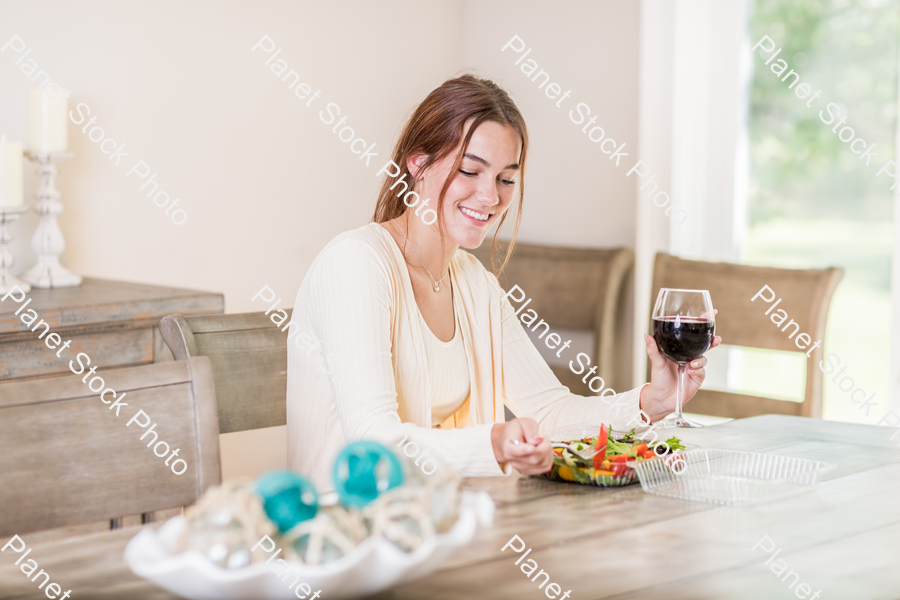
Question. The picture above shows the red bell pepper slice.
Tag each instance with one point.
(601, 446)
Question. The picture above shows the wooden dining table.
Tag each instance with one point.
(841, 540)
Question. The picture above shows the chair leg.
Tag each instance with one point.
(115, 523)
(148, 518)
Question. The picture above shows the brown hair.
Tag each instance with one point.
(436, 128)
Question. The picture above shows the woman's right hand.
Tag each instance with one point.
(519, 443)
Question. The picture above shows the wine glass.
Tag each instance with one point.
(683, 326)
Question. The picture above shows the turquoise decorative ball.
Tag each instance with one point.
(288, 499)
(363, 470)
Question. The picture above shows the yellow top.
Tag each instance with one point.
(448, 373)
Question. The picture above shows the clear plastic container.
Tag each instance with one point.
(729, 476)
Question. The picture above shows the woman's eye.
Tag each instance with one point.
(472, 174)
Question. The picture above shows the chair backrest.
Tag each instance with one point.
(67, 459)
(573, 288)
(806, 295)
(248, 353)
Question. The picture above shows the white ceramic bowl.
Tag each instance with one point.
(372, 566)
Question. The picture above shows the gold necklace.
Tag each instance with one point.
(437, 286)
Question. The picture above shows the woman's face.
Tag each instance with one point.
(482, 190)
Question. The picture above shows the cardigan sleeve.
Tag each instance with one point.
(350, 306)
(532, 390)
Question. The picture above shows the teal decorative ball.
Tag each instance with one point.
(363, 470)
(288, 499)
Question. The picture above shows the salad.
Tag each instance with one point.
(612, 465)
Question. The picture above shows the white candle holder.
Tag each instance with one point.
(48, 241)
(7, 280)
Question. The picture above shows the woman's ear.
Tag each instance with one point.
(414, 165)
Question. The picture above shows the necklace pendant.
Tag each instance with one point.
(437, 287)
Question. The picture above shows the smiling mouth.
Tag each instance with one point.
(481, 217)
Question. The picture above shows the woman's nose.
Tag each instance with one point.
(487, 194)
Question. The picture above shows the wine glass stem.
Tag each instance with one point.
(679, 393)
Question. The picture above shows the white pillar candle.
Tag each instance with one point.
(47, 121)
(10, 173)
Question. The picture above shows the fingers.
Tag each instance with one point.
(656, 357)
(515, 431)
(545, 451)
(533, 465)
(698, 363)
(696, 368)
(698, 375)
(517, 444)
(715, 342)
(530, 433)
(522, 450)
(533, 453)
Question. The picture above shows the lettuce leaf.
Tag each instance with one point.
(674, 444)
(582, 476)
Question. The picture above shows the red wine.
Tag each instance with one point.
(683, 339)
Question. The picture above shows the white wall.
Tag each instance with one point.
(265, 183)
(575, 196)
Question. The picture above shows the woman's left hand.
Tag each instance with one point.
(658, 398)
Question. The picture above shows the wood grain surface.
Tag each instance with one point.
(114, 322)
(84, 306)
(622, 543)
(574, 288)
(248, 353)
(66, 458)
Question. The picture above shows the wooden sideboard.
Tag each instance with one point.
(115, 322)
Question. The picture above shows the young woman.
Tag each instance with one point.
(397, 324)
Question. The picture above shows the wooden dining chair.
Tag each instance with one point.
(573, 288)
(248, 353)
(806, 295)
(67, 459)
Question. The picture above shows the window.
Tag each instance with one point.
(811, 202)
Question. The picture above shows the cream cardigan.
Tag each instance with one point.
(357, 364)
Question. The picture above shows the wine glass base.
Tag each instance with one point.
(672, 421)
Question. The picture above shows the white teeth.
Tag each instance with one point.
(474, 214)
